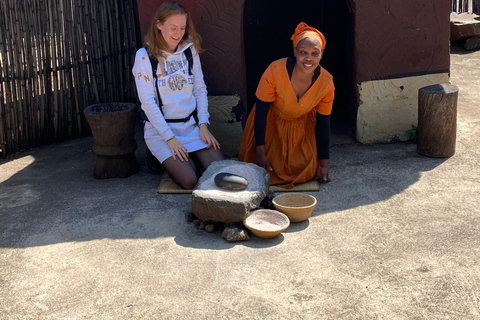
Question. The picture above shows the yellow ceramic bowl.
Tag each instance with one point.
(296, 206)
(266, 223)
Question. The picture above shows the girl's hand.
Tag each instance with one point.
(322, 170)
(208, 137)
(177, 149)
(261, 158)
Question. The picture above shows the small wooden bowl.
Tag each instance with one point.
(266, 223)
(296, 206)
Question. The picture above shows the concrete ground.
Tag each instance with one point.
(395, 235)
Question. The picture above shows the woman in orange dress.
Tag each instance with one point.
(288, 130)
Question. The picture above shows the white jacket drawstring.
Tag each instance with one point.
(165, 61)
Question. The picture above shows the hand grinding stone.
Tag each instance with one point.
(230, 181)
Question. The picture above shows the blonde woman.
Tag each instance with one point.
(174, 99)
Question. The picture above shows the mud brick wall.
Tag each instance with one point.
(398, 47)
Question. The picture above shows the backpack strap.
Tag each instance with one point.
(188, 54)
(154, 63)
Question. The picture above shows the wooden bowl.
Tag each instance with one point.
(266, 223)
(296, 206)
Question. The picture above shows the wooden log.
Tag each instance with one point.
(437, 120)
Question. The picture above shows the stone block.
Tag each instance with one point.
(464, 25)
(211, 203)
(472, 44)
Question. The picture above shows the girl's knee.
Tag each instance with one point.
(218, 155)
(188, 182)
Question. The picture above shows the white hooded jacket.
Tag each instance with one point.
(180, 92)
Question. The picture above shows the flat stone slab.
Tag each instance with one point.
(211, 203)
(464, 25)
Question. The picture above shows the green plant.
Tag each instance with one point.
(413, 133)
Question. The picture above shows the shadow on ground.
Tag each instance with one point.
(48, 195)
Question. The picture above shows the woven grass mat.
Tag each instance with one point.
(168, 186)
(311, 185)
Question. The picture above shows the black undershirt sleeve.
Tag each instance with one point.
(322, 134)
(260, 124)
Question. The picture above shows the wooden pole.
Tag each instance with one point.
(437, 120)
(476, 6)
(3, 86)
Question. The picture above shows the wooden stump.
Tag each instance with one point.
(437, 120)
(113, 129)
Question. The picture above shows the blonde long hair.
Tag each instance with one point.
(154, 41)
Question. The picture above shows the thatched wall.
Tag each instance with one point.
(56, 58)
(461, 6)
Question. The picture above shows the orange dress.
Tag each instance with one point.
(290, 142)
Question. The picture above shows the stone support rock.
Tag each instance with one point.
(235, 233)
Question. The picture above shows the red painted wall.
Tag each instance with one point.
(392, 38)
(219, 22)
(399, 37)
(147, 8)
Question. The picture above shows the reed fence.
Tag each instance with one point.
(56, 58)
(462, 6)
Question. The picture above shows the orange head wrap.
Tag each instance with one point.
(303, 31)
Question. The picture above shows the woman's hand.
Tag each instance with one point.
(177, 149)
(261, 158)
(322, 170)
(208, 137)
